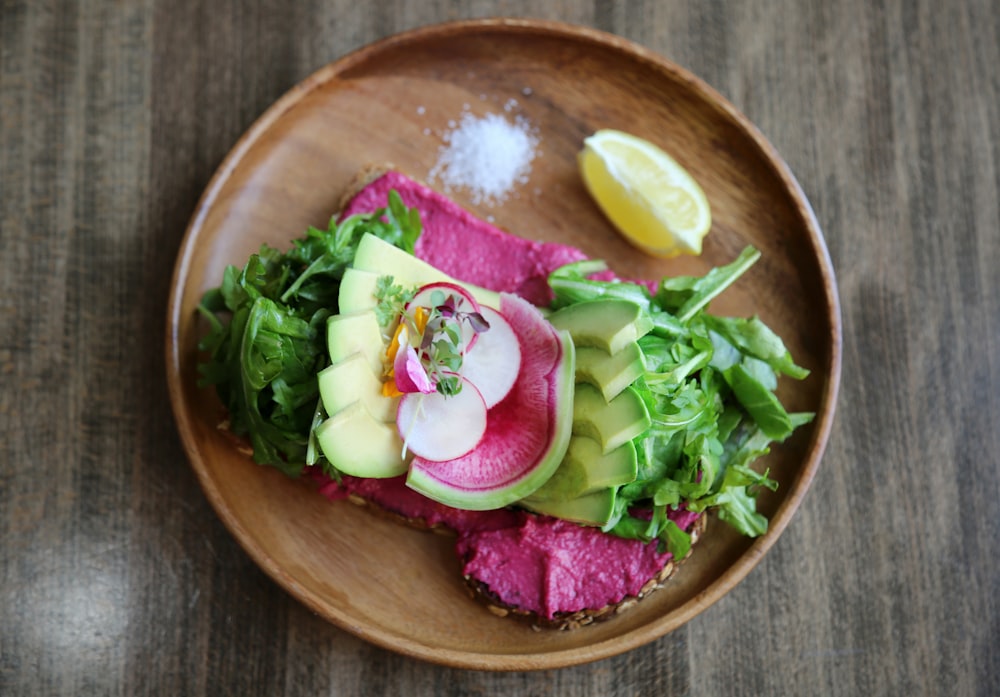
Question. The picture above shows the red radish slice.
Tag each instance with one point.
(495, 362)
(464, 302)
(440, 428)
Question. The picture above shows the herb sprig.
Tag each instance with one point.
(391, 300)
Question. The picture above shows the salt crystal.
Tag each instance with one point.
(421, 110)
(488, 156)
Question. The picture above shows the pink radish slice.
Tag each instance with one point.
(495, 362)
(464, 302)
(440, 428)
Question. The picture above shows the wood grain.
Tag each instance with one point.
(117, 577)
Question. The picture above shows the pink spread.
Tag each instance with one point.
(467, 248)
(552, 566)
(393, 495)
(537, 563)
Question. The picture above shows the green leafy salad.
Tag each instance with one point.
(709, 388)
(708, 383)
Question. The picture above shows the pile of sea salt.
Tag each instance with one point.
(487, 156)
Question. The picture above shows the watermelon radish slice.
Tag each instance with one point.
(527, 432)
(432, 294)
(494, 364)
(437, 427)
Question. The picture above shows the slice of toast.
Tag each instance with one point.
(473, 529)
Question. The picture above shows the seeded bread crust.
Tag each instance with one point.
(362, 178)
(415, 523)
(480, 592)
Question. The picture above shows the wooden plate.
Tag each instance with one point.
(391, 102)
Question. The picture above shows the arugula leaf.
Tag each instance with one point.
(686, 295)
(754, 338)
(266, 338)
(760, 402)
(676, 540)
(736, 501)
(570, 287)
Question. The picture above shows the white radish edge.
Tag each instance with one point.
(495, 362)
(440, 428)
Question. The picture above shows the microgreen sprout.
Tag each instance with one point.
(438, 337)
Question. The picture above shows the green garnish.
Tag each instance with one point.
(441, 343)
(391, 300)
(266, 338)
(709, 388)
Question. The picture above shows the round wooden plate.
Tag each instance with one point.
(391, 102)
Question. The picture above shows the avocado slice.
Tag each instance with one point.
(608, 324)
(358, 444)
(357, 291)
(377, 256)
(357, 332)
(350, 380)
(609, 423)
(591, 509)
(610, 373)
(585, 469)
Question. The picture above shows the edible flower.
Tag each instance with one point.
(426, 350)
(409, 373)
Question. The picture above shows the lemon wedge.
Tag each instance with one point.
(653, 201)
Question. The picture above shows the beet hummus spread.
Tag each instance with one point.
(394, 496)
(534, 563)
(468, 248)
(552, 567)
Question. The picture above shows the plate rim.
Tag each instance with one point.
(559, 658)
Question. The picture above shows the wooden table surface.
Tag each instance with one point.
(117, 577)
